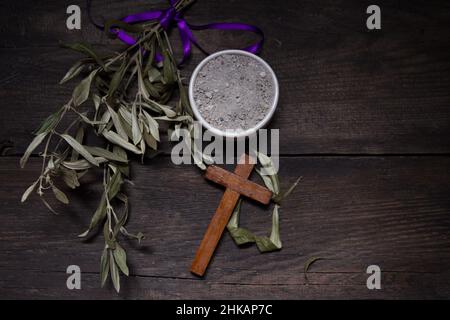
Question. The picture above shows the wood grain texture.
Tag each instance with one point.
(343, 89)
(236, 183)
(352, 211)
(364, 117)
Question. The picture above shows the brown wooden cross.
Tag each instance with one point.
(236, 185)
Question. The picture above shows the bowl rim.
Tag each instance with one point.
(233, 133)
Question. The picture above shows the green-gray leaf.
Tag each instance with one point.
(70, 177)
(136, 131)
(98, 216)
(82, 164)
(275, 233)
(81, 91)
(27, 192)
(100, 152)
(104, 266)
(73, 72)
(48, 205)
(97, 100)
(153, 126)
(79, 137)
(118, 124)
(114, 184)
(49, 123)
(33, 145)
(116, 139)
(150, 140)
(81, 150)
(86, 49)
(61, 196)
(117, 78)
(121, 259)
(115, 277)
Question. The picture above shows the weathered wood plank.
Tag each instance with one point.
(35, 284)
(343, 90)
(352, 211)
(34, 24)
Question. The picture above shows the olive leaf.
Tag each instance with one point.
(268, 169)
(121, 259)
(70, 177)
(154, 75)
(151, 104)
(81, 91)
(275, 234)
(60, 195)
(33, 145)
(118, 124)
(100, 152)
(97, 101)
(104, 266)
(278, 198)
(82, 164)
(267, 181)
(86, 49)
(241, 235)
(120, 152)
(114, 272)
(73, 72)
(50, 122)
(152, 125)
(176, 119)
(136, 131)
(117, 78)
(98, 216)
(150, 140)
(87, 120)
(141, 86)
(27, 192)
(116, 139)
(78, 137)
(48, 206)
(125, 114)
(80, 149)
(105, 119)
(114, 184)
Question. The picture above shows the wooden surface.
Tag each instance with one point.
(364, 117)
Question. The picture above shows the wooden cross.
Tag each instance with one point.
(236, 185)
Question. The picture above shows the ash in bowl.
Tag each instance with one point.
(233, 92)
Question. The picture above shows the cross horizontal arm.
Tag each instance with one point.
(239, 184)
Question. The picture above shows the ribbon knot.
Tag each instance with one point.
(168, 16)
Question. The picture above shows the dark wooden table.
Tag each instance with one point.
(364, 117)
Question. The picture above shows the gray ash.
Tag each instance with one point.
(233, 92)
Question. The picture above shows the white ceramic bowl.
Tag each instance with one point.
(233, 133)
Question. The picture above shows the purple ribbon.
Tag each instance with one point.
(169, 16)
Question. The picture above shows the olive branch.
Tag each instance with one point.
(122, 98)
